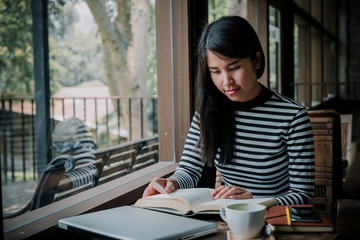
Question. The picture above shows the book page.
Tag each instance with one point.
(222, 202)
(194, 196)
(181, 200)
(215, 205)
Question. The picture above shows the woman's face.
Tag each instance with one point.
(236, 78)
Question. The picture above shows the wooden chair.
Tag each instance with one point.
(346, 134)
(326, 126)
(328, 160)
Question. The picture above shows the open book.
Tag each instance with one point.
(193, 201)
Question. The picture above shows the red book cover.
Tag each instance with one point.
(277, 221)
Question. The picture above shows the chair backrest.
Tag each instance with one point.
(326, 126)
(346, 135)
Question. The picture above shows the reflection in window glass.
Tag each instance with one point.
(103, 93)
(274, 49)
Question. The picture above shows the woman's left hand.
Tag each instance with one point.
(232, 192)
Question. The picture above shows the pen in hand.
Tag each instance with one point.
(288, 215)
(159, 187)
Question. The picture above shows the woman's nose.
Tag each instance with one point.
(227, 79)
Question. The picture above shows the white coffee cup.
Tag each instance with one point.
(245, 220)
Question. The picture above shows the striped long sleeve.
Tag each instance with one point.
(273, 152)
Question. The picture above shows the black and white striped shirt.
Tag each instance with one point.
(273, 154)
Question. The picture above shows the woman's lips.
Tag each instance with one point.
(232, 91)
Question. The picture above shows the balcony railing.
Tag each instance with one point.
(103, 116)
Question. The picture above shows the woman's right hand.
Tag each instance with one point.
(169, 185)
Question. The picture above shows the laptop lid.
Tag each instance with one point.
(137, 224)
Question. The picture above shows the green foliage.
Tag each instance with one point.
(151, 56)
(218, 8)
(16, 56)
(75, 55)
(16, 46)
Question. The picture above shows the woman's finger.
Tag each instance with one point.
(245, 195)
(232, 190)
(151, 188)
(222, 193)
(217, 190)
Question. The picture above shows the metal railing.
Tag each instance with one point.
(103, 116)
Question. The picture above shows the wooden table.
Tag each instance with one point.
(223, 228)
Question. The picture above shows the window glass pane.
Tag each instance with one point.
(219, 8)
(296, 63)
(103, 83)
(316, 77)
(301, 62)
(274, 49)
(17, 107)
(107, 80)
(320, 49)
(330, 73)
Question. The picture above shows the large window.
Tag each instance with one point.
(315, 52)
(103, 86)
(84, 53)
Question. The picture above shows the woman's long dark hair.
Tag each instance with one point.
(232, 37)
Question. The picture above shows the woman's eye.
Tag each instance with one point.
(234, 68)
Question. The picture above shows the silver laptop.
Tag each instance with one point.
(137, 223)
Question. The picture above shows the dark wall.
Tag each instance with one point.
(354, 43)
(353, 69)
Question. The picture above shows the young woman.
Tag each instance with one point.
(260, 141)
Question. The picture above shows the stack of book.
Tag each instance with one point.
(277, 220)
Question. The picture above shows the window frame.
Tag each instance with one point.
(257, 15)
(172, 29)
(321, 27)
